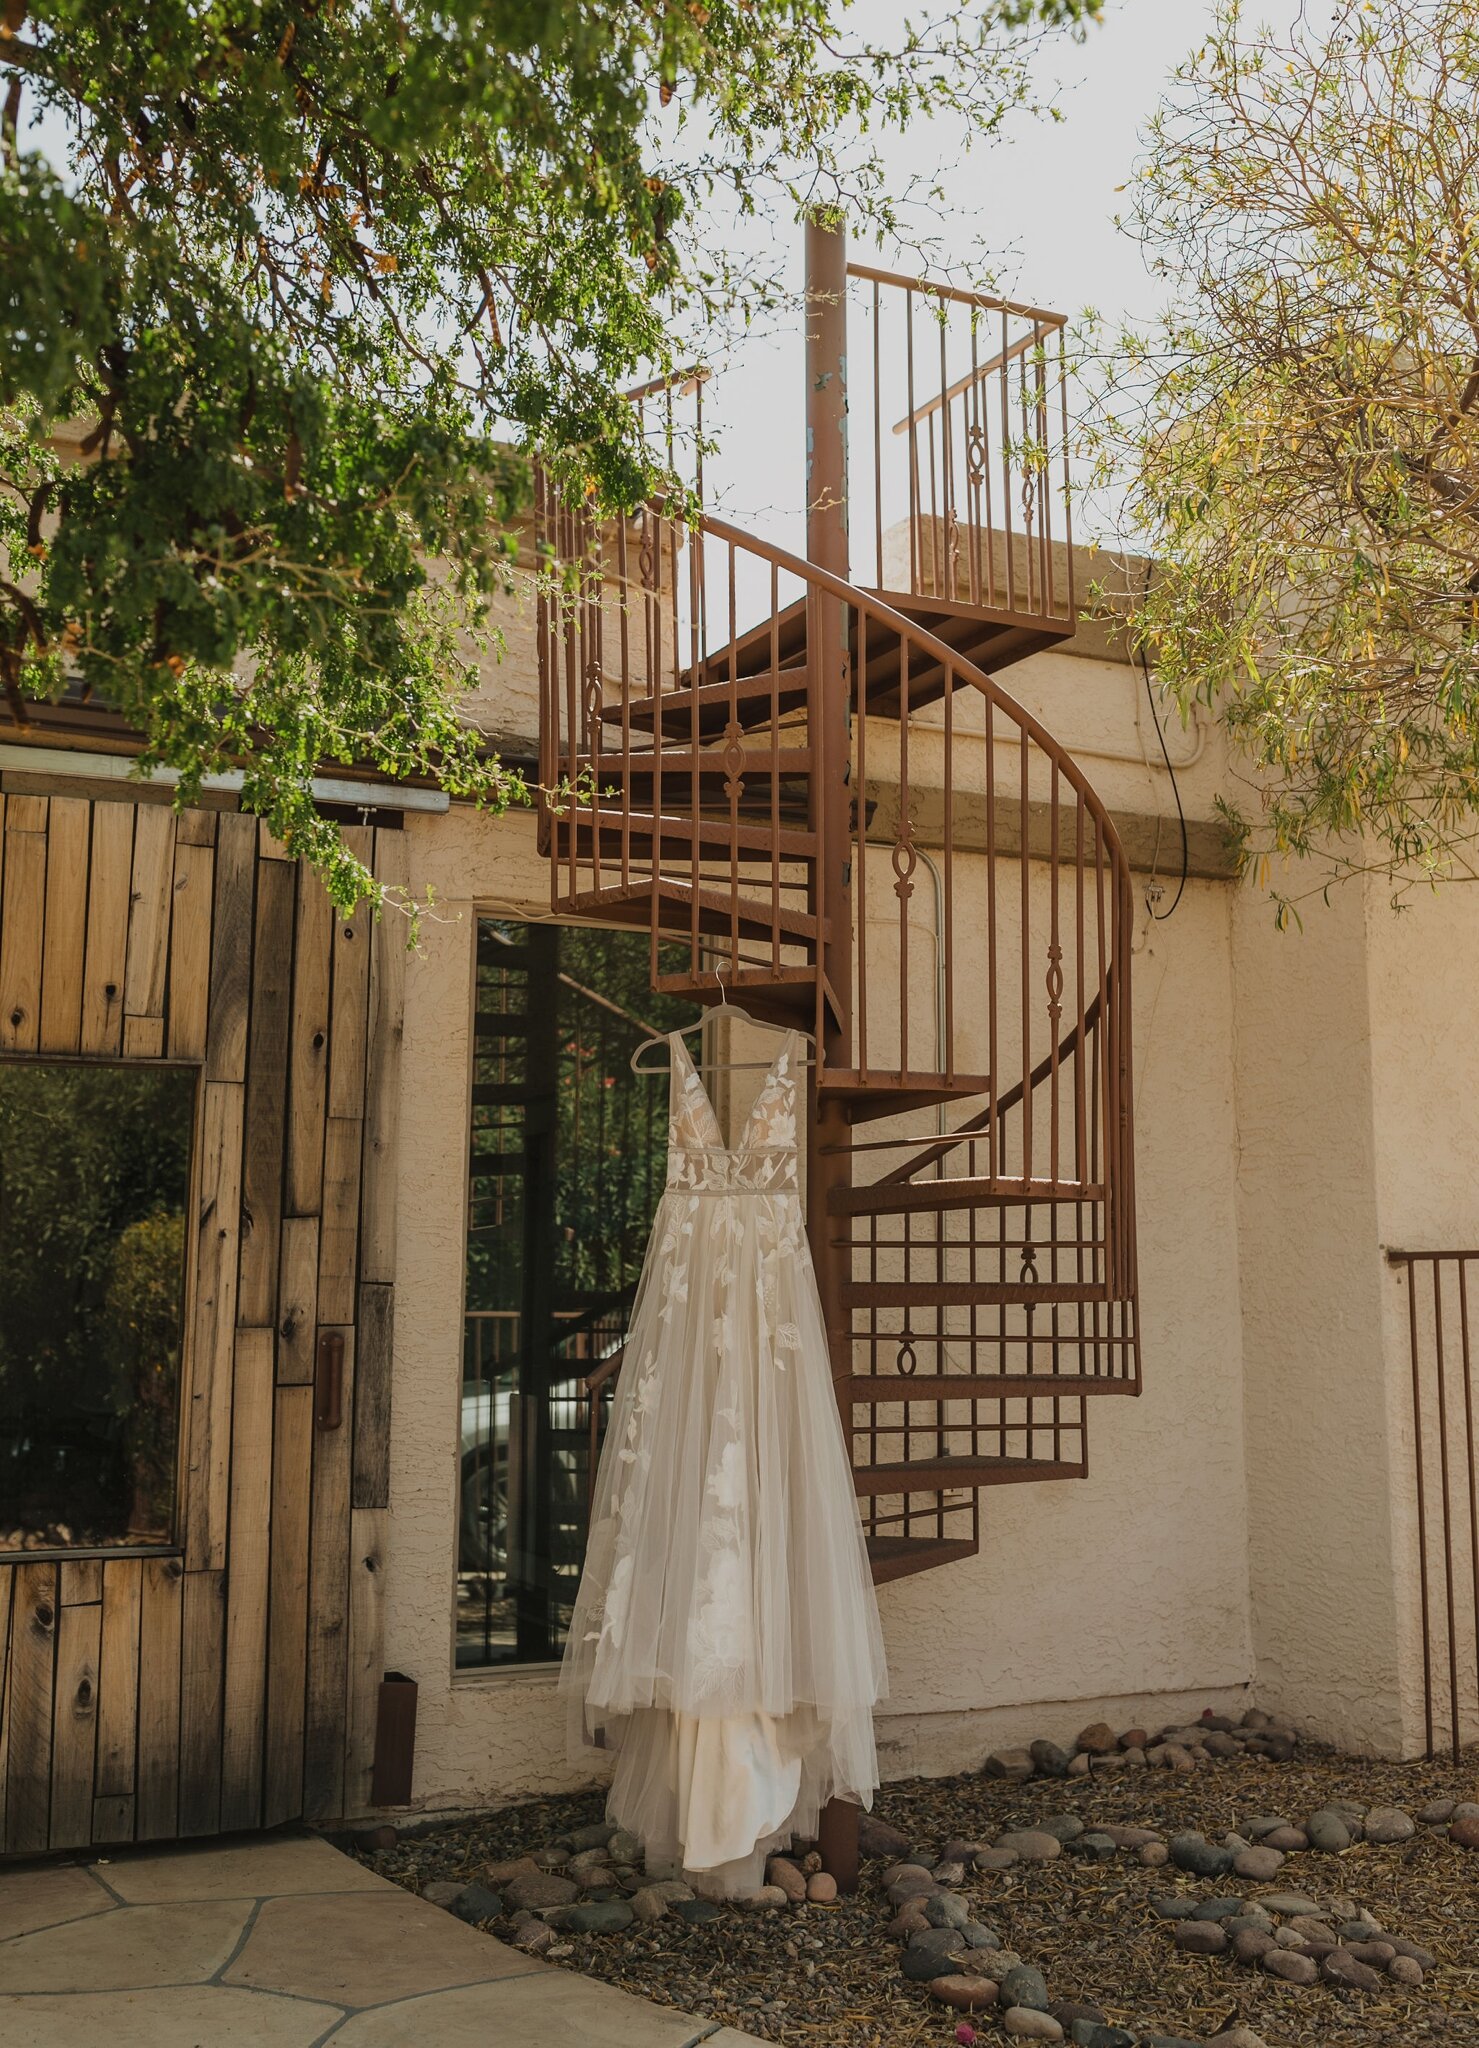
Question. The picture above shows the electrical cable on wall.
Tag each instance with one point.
(1160, 916)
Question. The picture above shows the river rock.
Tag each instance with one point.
(908, 1920)
(1173, 1905)
(1464, 1829)
(995, 1858)
(821, 1889)
(765, 1900)
(1094, 1845)
(1202, 1858)
(1084, 2034)
(1031, 1845)
(1286, 1902)
(1135, 1738)
(945, 1910)
(1389, 1824)
(1328, 1831)
(1310, 1927)
(1259, 1864)
(1287, 1840)
(1066, 1826)
(1251, 1944)
(497, 1876)
(1027, 2023)
(1015, 1765)
(979, 1936)
(1098, 1739)
(965, 1993)
(1436, 1812)
(1238, 2036)
(540, 1889)
(533, 1936)
(1378, 1954)
(1200, 1937)
(1216, 1909)
(1024, 1986)
(1403, 1970)
(475, 1904)
(611, 1916)
(1050, 1759)
(877, 1838)
(933, 1953)
(1128, 1838)
(1080, 1766)
(1154, 1855)
(696, 1912)
(1291, 1967)
(783, 1872)
(1341, 1967)
(1421, 1956)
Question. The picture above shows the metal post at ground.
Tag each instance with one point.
(829, 691)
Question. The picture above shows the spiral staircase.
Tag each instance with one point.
(816, 796)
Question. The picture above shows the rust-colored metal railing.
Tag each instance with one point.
(1442, 1290)
(964, 399)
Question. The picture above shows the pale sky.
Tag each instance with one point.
(1044, 200)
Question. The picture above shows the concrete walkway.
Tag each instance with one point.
(282, 1942)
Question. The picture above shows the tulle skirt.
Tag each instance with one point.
(725, 1640)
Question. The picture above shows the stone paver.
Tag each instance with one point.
(270, 1866)
(195, 2016)
(279, 1941)
(47, 1897)
(548, 2005)
(127, 1949)
(352, 1950)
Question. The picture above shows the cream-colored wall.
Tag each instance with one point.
(1124, 1593)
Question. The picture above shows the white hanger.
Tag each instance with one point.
(723, 1008)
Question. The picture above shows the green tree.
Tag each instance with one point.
(1297, 439)
(307, 263)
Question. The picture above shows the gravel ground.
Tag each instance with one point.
(829, 1974)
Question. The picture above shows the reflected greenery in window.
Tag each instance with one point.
(94, 1176)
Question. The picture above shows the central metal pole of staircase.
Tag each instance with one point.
(830, 738)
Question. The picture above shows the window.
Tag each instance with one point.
(568, 1154)
(94, 1176)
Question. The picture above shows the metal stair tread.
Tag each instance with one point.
(898, 1557)
(867, 1389)
(719, 905)
(963, 1473)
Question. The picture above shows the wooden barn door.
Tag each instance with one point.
(227, 1680)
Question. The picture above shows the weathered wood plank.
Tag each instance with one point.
(113, 1818)
(146, 972)
(143, 1038)
(231, 947)
(66, 925)
(218, 1224)
(383, 1071)
(309, 1054)
(349, 1016)
(339, 1231)
(269, 847)
(328, 1610)
(195, 828)
(246, 1602)
(373, 1350)
(287, 1621)
(22, 921)
(118, 1681)
(33, 1631)
(75, 1725)
(297, 1301)
(82, 1581)
(108, 883)
(190, 948)
(160, 1617)
(202, 1688)
(368, 1533)
(266, 1108)
(7, 1601)
(27, 814)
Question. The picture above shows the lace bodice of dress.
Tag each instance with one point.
(763, 1162)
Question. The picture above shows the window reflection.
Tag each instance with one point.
(94, 1177)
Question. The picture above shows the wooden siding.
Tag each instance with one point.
(230, 1682)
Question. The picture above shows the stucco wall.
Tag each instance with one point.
(1124, 1593)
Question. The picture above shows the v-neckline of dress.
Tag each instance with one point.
(773, 1078)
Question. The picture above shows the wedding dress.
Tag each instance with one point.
(725, 1639)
